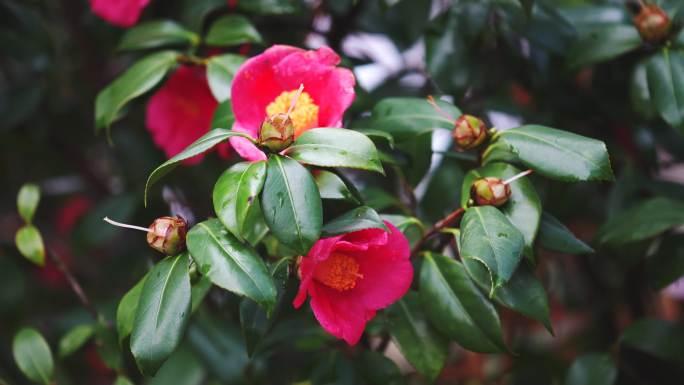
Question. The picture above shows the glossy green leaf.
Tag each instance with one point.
(594, 369)
(559, 154)
(107, 347)
(422, 346)
(665, 75)
(643, 221)
(32, 355)
(377, 135)
(206, 142)
(418, 151)
(331, 186)
(30, 244)
(122, 380)
(230, 264)
(291, 204)
(376, 369)
(199, 291)
(223, 115)
(488, 237)
(553, 235)
(221, 70)
(335, 147)
(138, 79)
(125, 312)
(158, 33)
(236, 193)
(523, 208)
(603, 43)
(74, 339)
(162, 314)
(641, 97)
(440, 197)
(658, 338)
(411, 227)
(182, 368)
(404, 118)
(456, 307)
(27, 201)
(522, 293)
(269, 7)
(232, 30)
(360, 218)
(667, 265)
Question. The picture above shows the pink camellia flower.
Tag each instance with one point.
(122, 13)
(181, 111)
(351, 276)
(266, 84)
(676, 289)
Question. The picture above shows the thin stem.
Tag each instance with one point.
(119, 224)
(75, 286)
(439, 109)
(293, 103)
(444, 222)
(518, 176)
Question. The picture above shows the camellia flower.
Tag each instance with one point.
(266, 84)
(122, 13)
(350, 276)
(181, 111)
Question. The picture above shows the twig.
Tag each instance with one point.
(444, 222)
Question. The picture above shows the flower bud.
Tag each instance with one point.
(653, 23)
(167, 234)
(469, 132)
(277, 132)
(490, 191)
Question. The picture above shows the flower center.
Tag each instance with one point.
(339, 271)
(304, 115)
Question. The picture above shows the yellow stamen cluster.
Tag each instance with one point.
(339, 272)
(304, 115)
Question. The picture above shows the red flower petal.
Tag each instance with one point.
(123, 13)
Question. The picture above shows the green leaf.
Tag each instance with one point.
(456, 307)
(440, 197)
(291, 204)
(236, 193)
(559, 154)
(360, 218)
(642, 221)
(162, 314)
(74, 339)
(128, 307)
(27, 201)
(206, 142)
(221, 70)
(30, 244)
(553, 235)
(182, 368)
(523, 208)
(489, 238)
(199, 291)
(422, 346)
(269, 7)
(411, 227)
(667, 265)
(376, 369)
(232, 30)
(122, 380)
(32, 355)
(335, 147)
(158, 33)
(665, 75)
(658, 338)
(223, 115)
(331, 186)
(107, 347)
(522, 293)
(603, 43)
(230, 264)
(594, 369)
(383, 135)
(405, 118)
(419, 153)
(641, 97)
(138, 79)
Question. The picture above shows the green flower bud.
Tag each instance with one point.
(167, 235)
(469, 132)
(490, 191)
(277, 132)
(653, 23)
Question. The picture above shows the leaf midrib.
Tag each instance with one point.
(290, 198)
(164, 288)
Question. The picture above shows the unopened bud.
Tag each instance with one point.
(167, 235)
(277, 132)
(490, 191)
(653, 23)
(469, 132)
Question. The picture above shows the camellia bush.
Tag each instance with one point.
(342, 192)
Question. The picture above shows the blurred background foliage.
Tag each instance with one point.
(570, 64)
